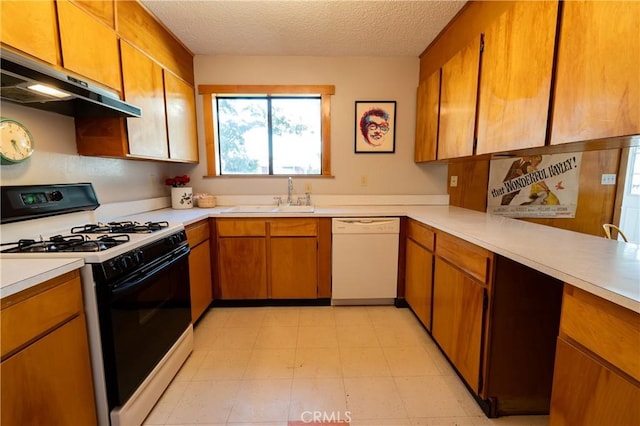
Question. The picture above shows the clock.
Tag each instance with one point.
(16, 142)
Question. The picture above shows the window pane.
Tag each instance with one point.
(297, 138)
(243, 135)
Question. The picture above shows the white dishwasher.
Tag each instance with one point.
(364, 260)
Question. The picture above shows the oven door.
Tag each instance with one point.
(141, 317)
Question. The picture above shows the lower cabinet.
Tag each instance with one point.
(419, 270)
(273, 258)
(199, 268)
(597, 367)
(45, 372)
(458, 315)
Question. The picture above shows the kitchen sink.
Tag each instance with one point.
(266, 208)
(294, 209)
(262, 208)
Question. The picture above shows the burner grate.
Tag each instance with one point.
(125, 227)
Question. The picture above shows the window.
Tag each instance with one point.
(267, 130)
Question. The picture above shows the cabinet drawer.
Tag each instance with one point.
(241, 228)
(197, 232)
(472, 259)
(608, 330)
(294, 227)
(24, 320)
(420, 234)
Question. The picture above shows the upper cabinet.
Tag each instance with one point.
(143, 86)
(458, 96)
(181, 119)
(32, 29)
(428, 112)
(89, 47)
(573, 78)
(597, 91)
(515, 81)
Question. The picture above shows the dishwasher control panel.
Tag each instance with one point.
(365, 225)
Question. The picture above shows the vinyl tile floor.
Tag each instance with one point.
(370, 365)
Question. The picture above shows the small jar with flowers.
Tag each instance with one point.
(181, 194)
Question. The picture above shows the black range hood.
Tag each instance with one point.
(82, 99)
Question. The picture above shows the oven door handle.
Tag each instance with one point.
(146, 274)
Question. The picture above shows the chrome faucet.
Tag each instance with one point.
(289, 191)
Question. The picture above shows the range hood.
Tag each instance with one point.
(74, 97)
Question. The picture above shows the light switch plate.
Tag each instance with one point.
(454, 181)
(608, 179)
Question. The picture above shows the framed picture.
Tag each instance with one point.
(375, 127)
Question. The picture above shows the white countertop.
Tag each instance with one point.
(607, 268)
(20, 274)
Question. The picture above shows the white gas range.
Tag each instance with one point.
(135, 288)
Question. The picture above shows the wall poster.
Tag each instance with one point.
(535, 186)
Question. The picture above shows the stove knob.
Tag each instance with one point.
(55, 196)
(137, 257)
(125, 262)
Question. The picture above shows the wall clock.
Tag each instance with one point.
(16, 142)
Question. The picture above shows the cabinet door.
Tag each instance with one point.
(515, 82)
(586, 392)
(181, 119)
(419, 271)
(242, 265)
(427, 112)
(200, 279)
(89, 47)
(294, 268)
(143, 86)
(31, 29)
(50, 380)
(597, 90)
(457, 319)
(458, 96)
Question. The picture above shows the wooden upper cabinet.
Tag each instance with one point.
(597, 90)
(427, 112)
(181, 119)
(143, 86)
(32, 28)
(101, 9)
(515, 82)
(89, 47)
(458, 96)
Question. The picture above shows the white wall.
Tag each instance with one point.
(56, 160)
(355, 78)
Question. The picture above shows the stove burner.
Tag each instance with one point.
(126, 227)
(67, 243)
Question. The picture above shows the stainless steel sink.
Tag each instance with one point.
(294, 209)
(262, 208)
(252, 209)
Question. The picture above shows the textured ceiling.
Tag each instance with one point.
(305, 27)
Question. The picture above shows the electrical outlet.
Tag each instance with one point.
(608, 179)
(307, 187)
(364, 180)
(454, 181)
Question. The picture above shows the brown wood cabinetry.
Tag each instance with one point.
(201, 286)
(144, 87)
(459, 291)
(597, 69)
(46, 369)
(32, 29)
(427, 112)
(597, 370)
(419, 270)
(242, 258)
(458, 315)
(515, 81)
(458, 96)
(274, 258)
(181, 119)
(89, 47)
